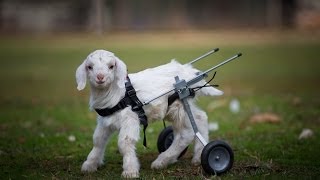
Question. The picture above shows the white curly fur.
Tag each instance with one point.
(107, 75)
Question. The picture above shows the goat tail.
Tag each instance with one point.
(210, 91)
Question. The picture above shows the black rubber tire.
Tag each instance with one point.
(217, 157)
(165, 140)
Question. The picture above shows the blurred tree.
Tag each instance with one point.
(289, 10)
(98, 10)
(100, 15)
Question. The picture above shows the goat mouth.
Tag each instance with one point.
(100, 82)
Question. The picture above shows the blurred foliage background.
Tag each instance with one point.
(37, 16)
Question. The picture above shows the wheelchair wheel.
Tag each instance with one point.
(217, 157)
(165, 140)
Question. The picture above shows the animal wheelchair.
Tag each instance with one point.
(217, 156)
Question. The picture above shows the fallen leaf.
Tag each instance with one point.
(265, 118)
(296, 101)
(72, 138)
(305, 134)
(234, 106)
(21, 140)
(213, 126)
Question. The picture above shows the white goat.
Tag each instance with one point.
(107, 75)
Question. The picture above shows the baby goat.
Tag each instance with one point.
(107, 75)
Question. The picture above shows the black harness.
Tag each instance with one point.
(130, 99)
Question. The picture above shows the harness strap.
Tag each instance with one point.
(173, 97)
(108, 111)
(136, 106)
(132, 100)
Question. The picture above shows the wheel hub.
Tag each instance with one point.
(219, 158)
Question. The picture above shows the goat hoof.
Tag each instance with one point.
(130, 174)
(195, 162)
(157, 165)
(88, 167)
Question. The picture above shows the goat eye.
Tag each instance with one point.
(111, 67)
(89, 67)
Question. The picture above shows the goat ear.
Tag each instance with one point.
(121, 73)
(81, 76)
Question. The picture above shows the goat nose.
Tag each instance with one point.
(100, 77)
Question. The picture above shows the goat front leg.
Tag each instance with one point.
(95, 157)
(128, 137)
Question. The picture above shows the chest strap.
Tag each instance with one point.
(130, 99)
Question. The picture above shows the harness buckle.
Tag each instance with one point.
(131, 92)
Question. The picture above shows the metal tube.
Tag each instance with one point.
(224, 62)
(147, 102)
(200, 76)
(203, 56)
(203, 74)
(192, 121)
(190, 115)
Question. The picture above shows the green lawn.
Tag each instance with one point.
(278, 73)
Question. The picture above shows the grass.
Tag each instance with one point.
(41, 108)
